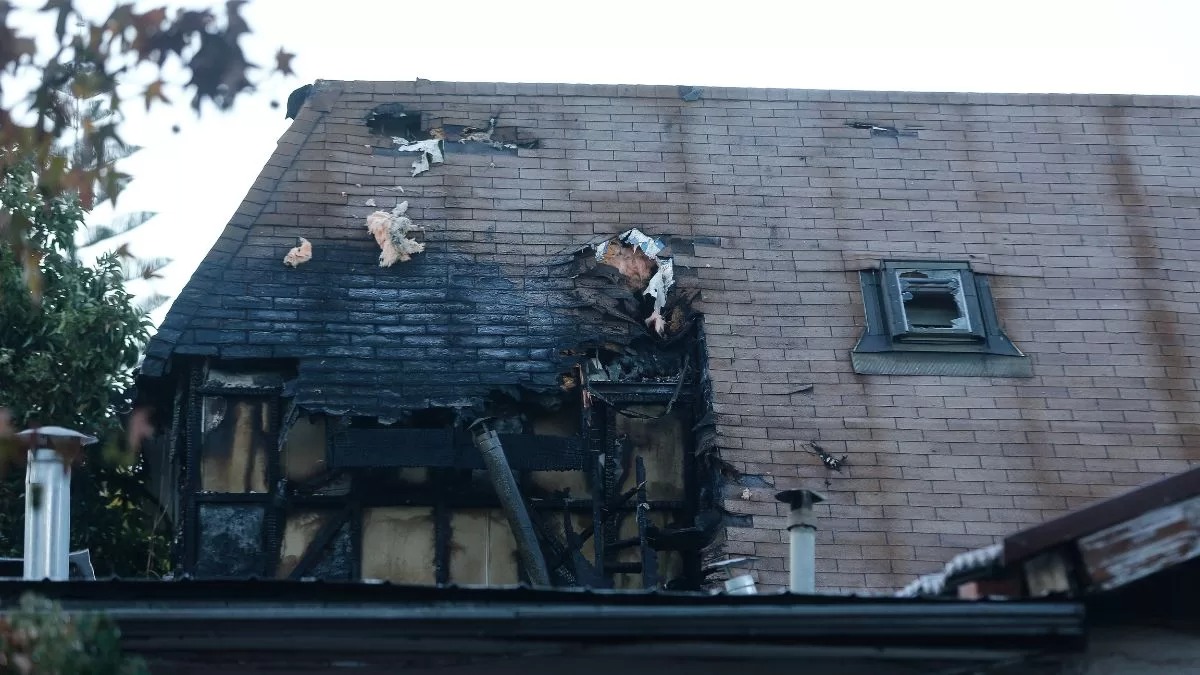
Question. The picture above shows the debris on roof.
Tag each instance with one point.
(884, 130)
(492, 137)
(300, 254)
(431, 153)
(391, 232)
(480, 135)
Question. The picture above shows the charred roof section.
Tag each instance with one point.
(393, 119)
(485, 306)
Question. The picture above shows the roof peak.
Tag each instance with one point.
(698, 93)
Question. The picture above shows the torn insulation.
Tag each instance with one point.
(391, 232)
(300, 254)
(430, 150)
(636, 257)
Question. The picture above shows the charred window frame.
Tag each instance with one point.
(933, 318)
(230, 533)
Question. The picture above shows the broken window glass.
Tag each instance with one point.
(237, 432)
(932, 300)
(931, 303)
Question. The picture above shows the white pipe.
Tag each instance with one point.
(802, 538)
(802, 535)
(741, 585)
(47, 516)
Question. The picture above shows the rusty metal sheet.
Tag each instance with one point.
(1137, 548)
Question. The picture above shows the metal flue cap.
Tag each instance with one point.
(799, 498)
(57, 433)
(482, 426)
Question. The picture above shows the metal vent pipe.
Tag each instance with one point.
(802, 537)
(48, 503)
(511, 501)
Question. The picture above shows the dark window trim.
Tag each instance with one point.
(882, 350)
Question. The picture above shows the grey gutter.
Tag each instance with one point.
(985, 623)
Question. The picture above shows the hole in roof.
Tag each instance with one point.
(393, 119)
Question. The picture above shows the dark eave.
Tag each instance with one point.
(166, 619)
(1050, 534)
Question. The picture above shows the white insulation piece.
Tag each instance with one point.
(431, 153)
(634, 237)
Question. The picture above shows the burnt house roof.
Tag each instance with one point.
(495, 300)
(491, 304)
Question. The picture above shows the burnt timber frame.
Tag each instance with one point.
(450, 455)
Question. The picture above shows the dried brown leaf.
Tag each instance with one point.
(283, 62)
(154, 92)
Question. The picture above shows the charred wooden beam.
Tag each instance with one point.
(316, 548)
(649, 556)
(450, 449)
(443, 530)
(585, 572)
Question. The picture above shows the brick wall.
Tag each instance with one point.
(1082, 209)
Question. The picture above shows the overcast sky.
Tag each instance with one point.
(195, 179)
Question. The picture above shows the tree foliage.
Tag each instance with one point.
(69, 335)
(68, 360)
(38, 637)
(89, 61)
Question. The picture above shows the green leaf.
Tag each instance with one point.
(144, 268)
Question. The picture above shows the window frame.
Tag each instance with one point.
(892, 288)
(889, 345)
